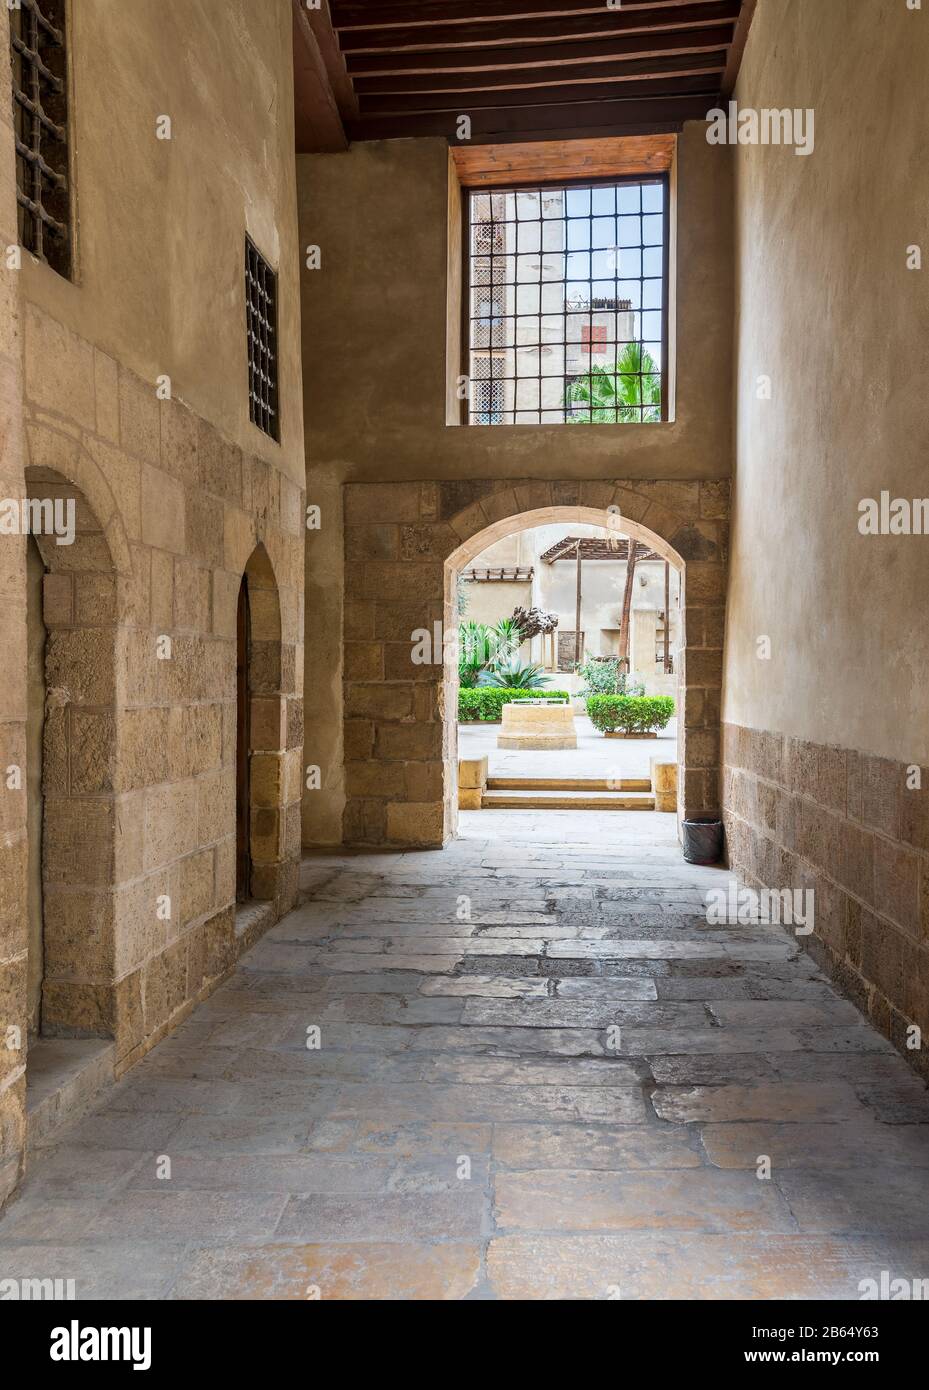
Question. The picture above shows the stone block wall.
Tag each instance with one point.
(13, 838)
(139, 779)
(855, 830)
(404, 543)
(141, 665)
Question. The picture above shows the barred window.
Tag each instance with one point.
(40, 123)
(567, 303)
(261, 327)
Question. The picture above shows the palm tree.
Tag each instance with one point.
(629, 392)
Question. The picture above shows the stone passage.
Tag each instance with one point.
(541, 1074)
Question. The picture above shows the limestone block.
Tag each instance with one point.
(265, 779)
(527, 725)
(266, 835)
(170, 823)
(472, 773)
(139, 417)
(415, 824)
(266, 721)
(664, 785)
(59, 369)
(196, 891)
(162, 511)
(58, 599)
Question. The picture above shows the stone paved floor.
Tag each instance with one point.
(470, 1127)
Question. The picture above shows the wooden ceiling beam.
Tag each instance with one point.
(379, 14)
(529, 80)
(672, 43)
(317, 118)
(561, 121)
(603, 23)
(546, 161)
(737, 48)
(457, 102)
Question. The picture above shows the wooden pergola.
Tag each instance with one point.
(620, 550)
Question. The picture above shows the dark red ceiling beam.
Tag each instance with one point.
(737, 49)
(673, 42)
(377, 14)
(462, 86)
(602, 24)
(317, 118)
(560, 121)
(466, 103)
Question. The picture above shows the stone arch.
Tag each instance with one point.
(265, 732)
(79, 769)
(50, 450)
(510, 525)
(404, 543)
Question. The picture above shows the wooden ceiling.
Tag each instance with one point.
(520, 70)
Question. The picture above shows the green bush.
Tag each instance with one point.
(486, 703)
(633, 714)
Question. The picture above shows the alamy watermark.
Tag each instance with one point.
(893, 516)
(39, 516)
(768, 126)
(784, 907)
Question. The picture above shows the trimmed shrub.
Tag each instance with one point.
(633, 714)
(486, 703)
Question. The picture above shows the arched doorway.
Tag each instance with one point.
(260, 735)
(71, 762)
(612, 523)
(404, 544)
(36, 637)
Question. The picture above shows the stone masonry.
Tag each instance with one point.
(403, 545)
(855, 830)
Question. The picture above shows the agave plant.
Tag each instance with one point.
(514, 676)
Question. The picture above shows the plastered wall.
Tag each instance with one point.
(826, 783)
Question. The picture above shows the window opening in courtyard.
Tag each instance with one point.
(567, 304)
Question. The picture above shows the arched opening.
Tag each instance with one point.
(36, 637)
(400, 714)
(71, 763)
(242, 749)
(615, 528)
(260, 737)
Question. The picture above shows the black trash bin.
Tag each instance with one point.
(702, 841)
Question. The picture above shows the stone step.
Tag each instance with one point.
(63, 1076)
(590, 800)
(569, 784)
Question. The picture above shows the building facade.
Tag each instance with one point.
(144, 512)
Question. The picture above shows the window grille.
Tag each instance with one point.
(40, 124)
(261, 325)
(567, 303)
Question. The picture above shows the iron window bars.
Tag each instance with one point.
(40, 124)
(566, 303)
(261, 326)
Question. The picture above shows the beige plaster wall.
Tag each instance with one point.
(159, 268)
(829, 311)
(375, 318)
